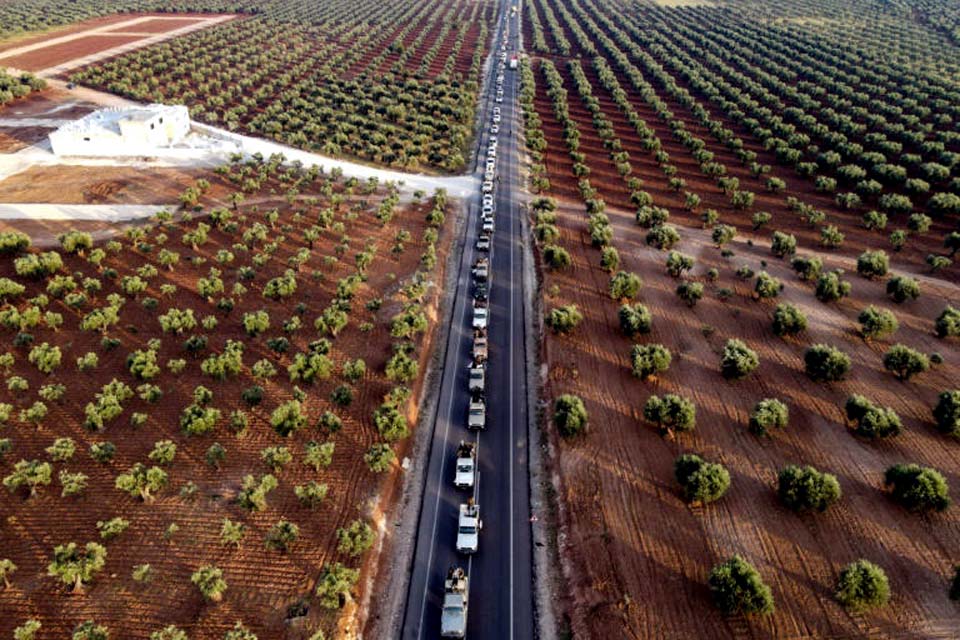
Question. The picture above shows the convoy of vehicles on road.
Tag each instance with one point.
(456, 585)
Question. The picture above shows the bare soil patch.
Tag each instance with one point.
(97, 185)
(56, 54)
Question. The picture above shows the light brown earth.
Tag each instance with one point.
(262, 584)
(97, 185)
(56, 54)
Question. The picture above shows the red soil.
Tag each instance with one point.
(637, 556)
(261, 583)
(56, 54)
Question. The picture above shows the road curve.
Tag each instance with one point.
(501, 601)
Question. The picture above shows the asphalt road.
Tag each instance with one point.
(500, 573)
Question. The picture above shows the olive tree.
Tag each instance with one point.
(738, 588)
(905, 362)
(232, 532)
(336, 582)
(570, 415)
(7, 569)
(767, 414)
(788, 320)
(872, 421)
(671, 413)
(281, 535)
(702, 482)
(807, 489)
(355, 539)
(564, 319)
(862, 585)
(31, 474)
(737, 360)
(947, 412)
(76, 565)
(636, 319)
(830, 287)
(209, 580)
(141, 481)
(624, 286)
(877, 323)
(873, 264)
(902, 288)
(948, 323)
(918, 488)
(824, 363)
(678, 262)
(648, 360)
(288, 418)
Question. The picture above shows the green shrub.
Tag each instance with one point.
(904, 361)
(830, 287)
(648, 360)
(564, 319)
(902, 288)
(702, 482)
(862, 585)
(824, 363)
(624, 286)
(873, 264)
(788, 320)
(738, 588)
(947, 412)
(918, 488)
(636, 319)
(877, 323)
(767, 414)
(670, 413)
(737, 360)
(948, 323)
(807, 489)
(570, 415)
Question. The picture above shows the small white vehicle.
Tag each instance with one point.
(476, 380)
(466, 468)
(483, 242)
(486, 210)
(499, 98)
(491, 165)
(468, 531)
(487, 186)
(488, 200)
(492, 152)
(487, 226)
(453, 616)
(477, 413)
(480, 317)
(496, 117)
(494, 128)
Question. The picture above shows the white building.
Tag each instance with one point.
(123, 131)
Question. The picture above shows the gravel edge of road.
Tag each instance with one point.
(385, 620)
(546, 574)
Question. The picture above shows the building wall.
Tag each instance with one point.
(134, 138)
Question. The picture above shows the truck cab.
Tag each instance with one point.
(477, 380)
(477, 412)
(468, 531)
(466, 468)
(453, 616)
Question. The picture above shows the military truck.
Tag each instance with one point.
(466, 468)
(477, 411)
(468, 531)
(453, 617)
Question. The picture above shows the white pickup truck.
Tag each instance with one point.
(468, 532)
(453, 617)
(477, 412)
(466, 465)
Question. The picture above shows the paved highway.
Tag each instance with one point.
(500, 574)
